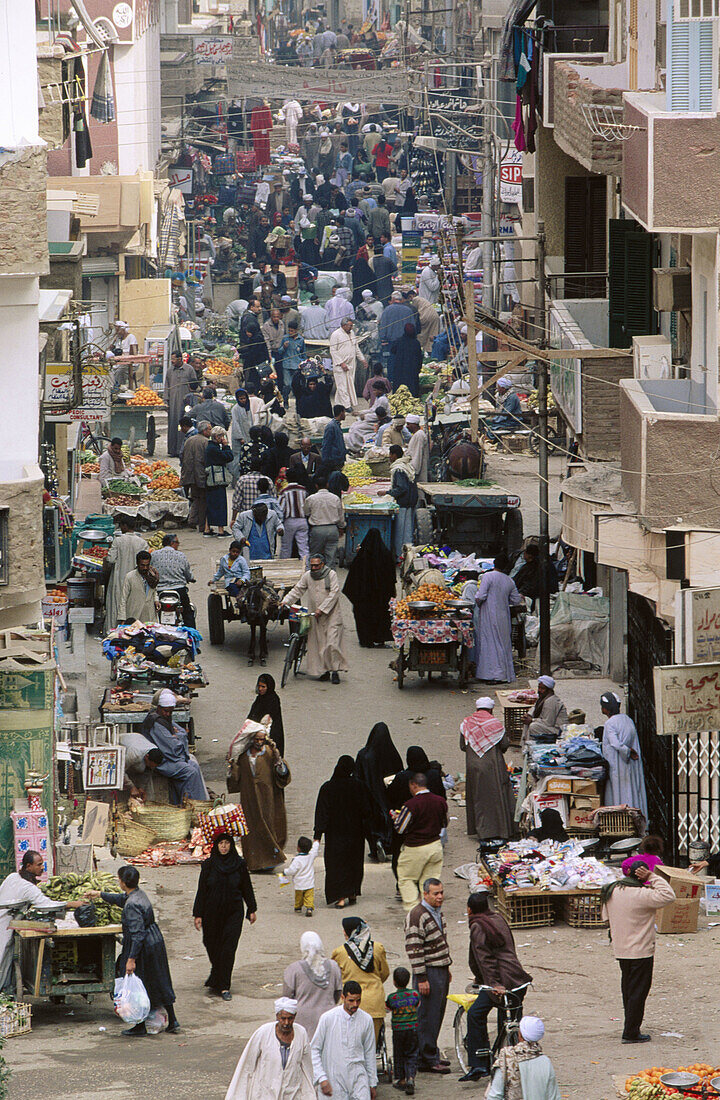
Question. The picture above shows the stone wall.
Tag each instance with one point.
(572, 132)
(601, 405)
(25, 549)
(51, 127)
(23, 212)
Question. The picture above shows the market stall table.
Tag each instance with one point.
(432, 645)
(57, 963)
(363, 515)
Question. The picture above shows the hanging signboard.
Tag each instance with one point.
(259, 78)
(565, 375)
(511, 177)
(213, 51)
(687, 698)
(697, 624)
(59, 391)
(182, 179)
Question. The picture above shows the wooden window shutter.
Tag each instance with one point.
(585, 234)
(639, 259)
(618, 230)
(633, 46)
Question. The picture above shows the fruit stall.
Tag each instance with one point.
(433, 633)
(132, 413)
(659, 1082)
(151, 492)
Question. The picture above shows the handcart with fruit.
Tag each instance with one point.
(132, 416)
(433, 633)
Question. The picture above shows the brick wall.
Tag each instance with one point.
(50, 73)
(23, 213)
(572, 132)
(601, 405)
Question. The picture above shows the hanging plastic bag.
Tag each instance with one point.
(157, 1021)
(132, 1003)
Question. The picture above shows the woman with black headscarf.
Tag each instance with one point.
(363, 276)
(342, 814)
(283, 452)
(378, 758)
(267, 703)
(370, 585)
(408, 361)
(551, 827)
(224, 892)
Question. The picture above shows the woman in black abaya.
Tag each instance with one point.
(370, 585)
(267, 703)
(224, 892)
(342, 815)
(379, 758)
(363, 276)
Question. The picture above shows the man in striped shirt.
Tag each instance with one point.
(427, 948)
(295, 524)
(246, 492)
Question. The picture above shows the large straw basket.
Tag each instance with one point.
(132, 836)
(168, 822)
(197, 806)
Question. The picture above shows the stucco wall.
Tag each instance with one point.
(572, 133)
(635, 165)
(23, 212)
(552, 165)
(25, 547)
(686, 165)
(631, 449)
(683, 476)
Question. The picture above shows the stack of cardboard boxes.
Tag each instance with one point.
(581, 798)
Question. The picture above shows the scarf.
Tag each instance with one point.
(607, 890)
(508, 1062)
(324, 574)
(360, 947)
(482, 731)
(225, 865)
(314, 962)
(405, 465)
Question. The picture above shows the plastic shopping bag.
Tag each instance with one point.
(157, 1021)
(132, 1003)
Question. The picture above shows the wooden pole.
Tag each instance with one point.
(469, 296)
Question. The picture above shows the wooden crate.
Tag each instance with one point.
(616, 823)
(514, 725)
(15, 1018)
(583, 911)
(526, 911)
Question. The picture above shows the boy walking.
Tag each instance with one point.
(403, 1004)
(301, 872)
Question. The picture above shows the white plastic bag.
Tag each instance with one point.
(157, 1021)
(132, 1003)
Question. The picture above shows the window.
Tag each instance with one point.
(695, 9)
(4, 565)
(692, 65)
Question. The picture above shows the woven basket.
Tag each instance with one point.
(197, 806)
(132, 837)
(380, 466)
(15, 1019)
(168, 822)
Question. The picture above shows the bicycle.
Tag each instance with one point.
(300, 618)
(509, 1013)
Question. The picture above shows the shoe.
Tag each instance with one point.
(443, 1062)
(309, 912)
(380, 853)
(410, 1088)
(400, 1085)
(137, 1031)
(324, 678)
(639, 1038)
(437, 1068)
(208, 534)
(174, 1029)
(476, 1074)
(298, 911)
(335, 678)
(226, 995)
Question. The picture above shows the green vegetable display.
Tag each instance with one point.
(72, 886)
(121, 485)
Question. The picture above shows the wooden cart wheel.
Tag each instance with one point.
(400, 665)
(216, 620)
(151, 436)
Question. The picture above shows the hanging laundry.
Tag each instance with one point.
(103, 99)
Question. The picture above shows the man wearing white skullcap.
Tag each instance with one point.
(418, 449)
(275, 1064)
(509, 416)
(523, 1072)
(429, 286)
(548, 716)
(488, 798)
(336, 308)
(180, 768)
(621, 748)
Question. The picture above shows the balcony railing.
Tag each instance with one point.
(574, 39)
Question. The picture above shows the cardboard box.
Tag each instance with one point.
(684, 882)
(550, 802)
(559, 784)
(585, 786)
(582, 819)
(585, 802)
(679, 918)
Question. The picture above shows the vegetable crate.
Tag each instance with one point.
(15, 1018)
(526, 911)
(514, 724)
(583, 911)
(616, 823)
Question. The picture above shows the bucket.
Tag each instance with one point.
(698, 851)
(406, 224)
(81, 592)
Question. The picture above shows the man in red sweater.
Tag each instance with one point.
(419, 823)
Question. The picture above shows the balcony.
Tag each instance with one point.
(668, 430)
(660, 157)
(576, 87)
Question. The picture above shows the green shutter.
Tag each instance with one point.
(618, 230)
(639, 259)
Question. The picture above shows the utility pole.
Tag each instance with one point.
(487, 190)
(543, 495)
(469, 296)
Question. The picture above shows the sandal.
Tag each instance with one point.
(342, 904)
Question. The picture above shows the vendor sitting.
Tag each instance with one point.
(141, 759)
(112, 463)
(178, 766)
(509, 417)
(233, 569)
(548, 716)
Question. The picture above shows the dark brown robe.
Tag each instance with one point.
(263, 803)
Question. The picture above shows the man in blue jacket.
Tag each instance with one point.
(333, 451)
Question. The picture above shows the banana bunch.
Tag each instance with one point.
(643, 1090)
(402, 402)
(72, 886)
(358, 473)
(155, 541)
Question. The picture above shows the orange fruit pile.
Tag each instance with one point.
(432, 592)
(145, 396)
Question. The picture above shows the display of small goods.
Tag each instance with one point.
(90, 468)
(548, 865)
(150, 469)
(647, 1084)
(130, 701)
(432, 593)
(136, 664)
(146, 398)
(357, 498)
(56, 595)
(218, 366)
(116, 500)
(526, 695)
(72, 886)
(103, 767)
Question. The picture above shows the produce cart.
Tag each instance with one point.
(432, 645)
(279, 575)
(482, 520)
(57, 963)
(136, 422)
(361, 518)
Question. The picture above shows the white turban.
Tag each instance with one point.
(547, 681)
(435, 261)
(532, 1029)
(286, 1004)
(367, 294)
(485, 702)
(167, 699)
(504, 383)
(412, 418)
(344, 292)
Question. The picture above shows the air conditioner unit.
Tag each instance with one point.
(652, 357)
(672, 289)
